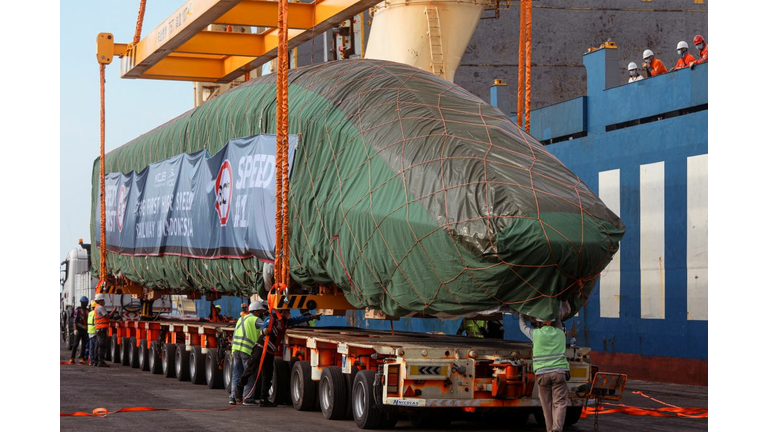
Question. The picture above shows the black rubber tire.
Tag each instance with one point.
(350, 379)
(182, 363)
(227, 372)
(125, 351)
(281, 383)
(333, 393)
(303, 389)
(154, 359)
(168, 360)
(364, 410)
(114, 349)
(572, 415)
(214, 377)
(133, 357)
(143, 356)
(197, 365)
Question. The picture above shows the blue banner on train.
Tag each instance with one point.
(198, 205)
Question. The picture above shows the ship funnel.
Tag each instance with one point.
(428, 34)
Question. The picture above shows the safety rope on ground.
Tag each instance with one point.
(668, 410)
(103, 412)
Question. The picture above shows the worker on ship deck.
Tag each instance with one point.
(634, 75)
(685, 60)
(551, 368)
(652, 65)
(701, 45)
(243, 341)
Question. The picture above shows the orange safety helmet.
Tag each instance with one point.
(698, 39)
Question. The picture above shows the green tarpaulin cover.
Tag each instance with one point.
(408, 192)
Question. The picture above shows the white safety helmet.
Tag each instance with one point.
(647, 53)
(257, 306)
(682, 44)
(99, 297)
(631, 66)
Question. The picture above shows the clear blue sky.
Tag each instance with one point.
(133, 106)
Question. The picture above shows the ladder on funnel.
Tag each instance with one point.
(435, 41)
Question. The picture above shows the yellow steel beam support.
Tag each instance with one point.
(181, 67)
(224, 43)
(181, 26)
(179, 48)
(260, 13)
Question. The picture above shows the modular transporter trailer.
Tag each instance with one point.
(373, 377)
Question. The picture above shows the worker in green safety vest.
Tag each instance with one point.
(472, 328)
(244, 339)
(551, 368)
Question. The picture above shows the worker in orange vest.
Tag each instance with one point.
(685, 60)
(101, 321)
(703, 48)
(652, 65)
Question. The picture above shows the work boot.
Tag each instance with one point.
(102, 364)
(82, 361)
(71, 361)
(249, 402)
(232, 401)
(265, 403)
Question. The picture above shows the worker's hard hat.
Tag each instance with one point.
(99, 297)
(631, 66)
(94, 304)
(682, 44)
(647, 53)
(218, 307)
(698, 39)
(257, 306)
(83, 299)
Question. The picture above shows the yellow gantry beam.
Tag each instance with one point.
(181, 49)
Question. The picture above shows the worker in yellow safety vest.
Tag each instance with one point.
(244, 339)
(92, 335)
(551, 368)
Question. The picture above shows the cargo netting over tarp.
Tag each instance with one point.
(408, 192)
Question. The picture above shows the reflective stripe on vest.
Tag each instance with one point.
(245, 334)
(549, 349)
(101, 321)
(91, 326)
